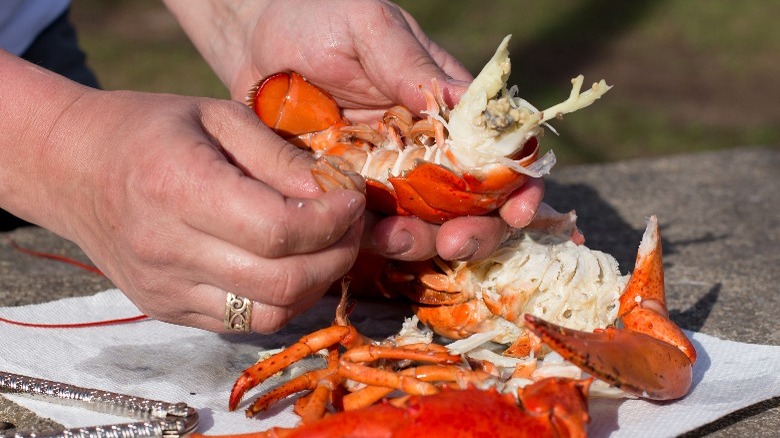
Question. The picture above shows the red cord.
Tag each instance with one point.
(76, 324)
(56, 257)
(78, 264)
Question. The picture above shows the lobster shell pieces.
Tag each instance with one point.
(436, 194)
(309, 117)
(291, 106)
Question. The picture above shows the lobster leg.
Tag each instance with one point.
(330, 176)
(426, 373)
(301, 383)
(341, 332)
(431, 353)
(651, 357)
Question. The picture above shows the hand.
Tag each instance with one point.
(176, 225)
(369, 54)
(178, 200)
(462, 238)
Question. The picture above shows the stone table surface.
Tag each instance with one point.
(719, 214)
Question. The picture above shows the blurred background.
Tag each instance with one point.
(688, 76)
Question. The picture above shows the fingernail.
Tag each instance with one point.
(356, 205)
(399, 243)
(357, 180)
(458, 83)
(467, 250)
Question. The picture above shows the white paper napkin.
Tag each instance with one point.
(166, 362)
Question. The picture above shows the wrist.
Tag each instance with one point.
(34, 102)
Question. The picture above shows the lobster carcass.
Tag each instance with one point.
(541, 292)
(649, 356)
(464, 161)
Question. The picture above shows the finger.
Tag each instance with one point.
(470, 238)
(278, 282)
(282, 166)
(459, 78)
(521, 207)
(258, 151)
(209, 304)
(219, 200)
(448, 63)
(280, 289)
(401, 238)
(397, 61)
(272, 226)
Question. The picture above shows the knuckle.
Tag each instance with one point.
(288, 285)
(157, 180)
(149, 297)
(223, 114)
(278, 239)
(235, 108)
(144, 246)
(383, 15)
(272, 321)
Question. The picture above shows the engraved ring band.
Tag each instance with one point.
(238, 313)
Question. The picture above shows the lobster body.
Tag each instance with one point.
(555, 408)
(553, 294)
(466, 161)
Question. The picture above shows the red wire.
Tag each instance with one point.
(76, 324)
(78, 264)
(56, 257)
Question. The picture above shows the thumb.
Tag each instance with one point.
(399, 65)
(259, 152)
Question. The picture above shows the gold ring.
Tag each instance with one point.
(238, 313)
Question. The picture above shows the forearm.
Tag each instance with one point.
(220, 30)
(33, 104)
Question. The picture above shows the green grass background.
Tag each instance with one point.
(688, 75)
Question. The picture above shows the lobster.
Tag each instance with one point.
(649, 356)
(534, 279)
(552, 407)
(451, 163)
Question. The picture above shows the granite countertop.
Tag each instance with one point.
(719, 214)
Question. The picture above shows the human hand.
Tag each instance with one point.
(370, 55)
(193, 225)
(462, 238)
(178, 200)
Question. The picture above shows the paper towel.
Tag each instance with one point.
(171, 363)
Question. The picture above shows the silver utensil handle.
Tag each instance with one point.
(159, 419)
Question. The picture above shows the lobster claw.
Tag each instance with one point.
(634, 362)
(650, 357)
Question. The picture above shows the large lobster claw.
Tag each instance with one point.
(650, 357)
